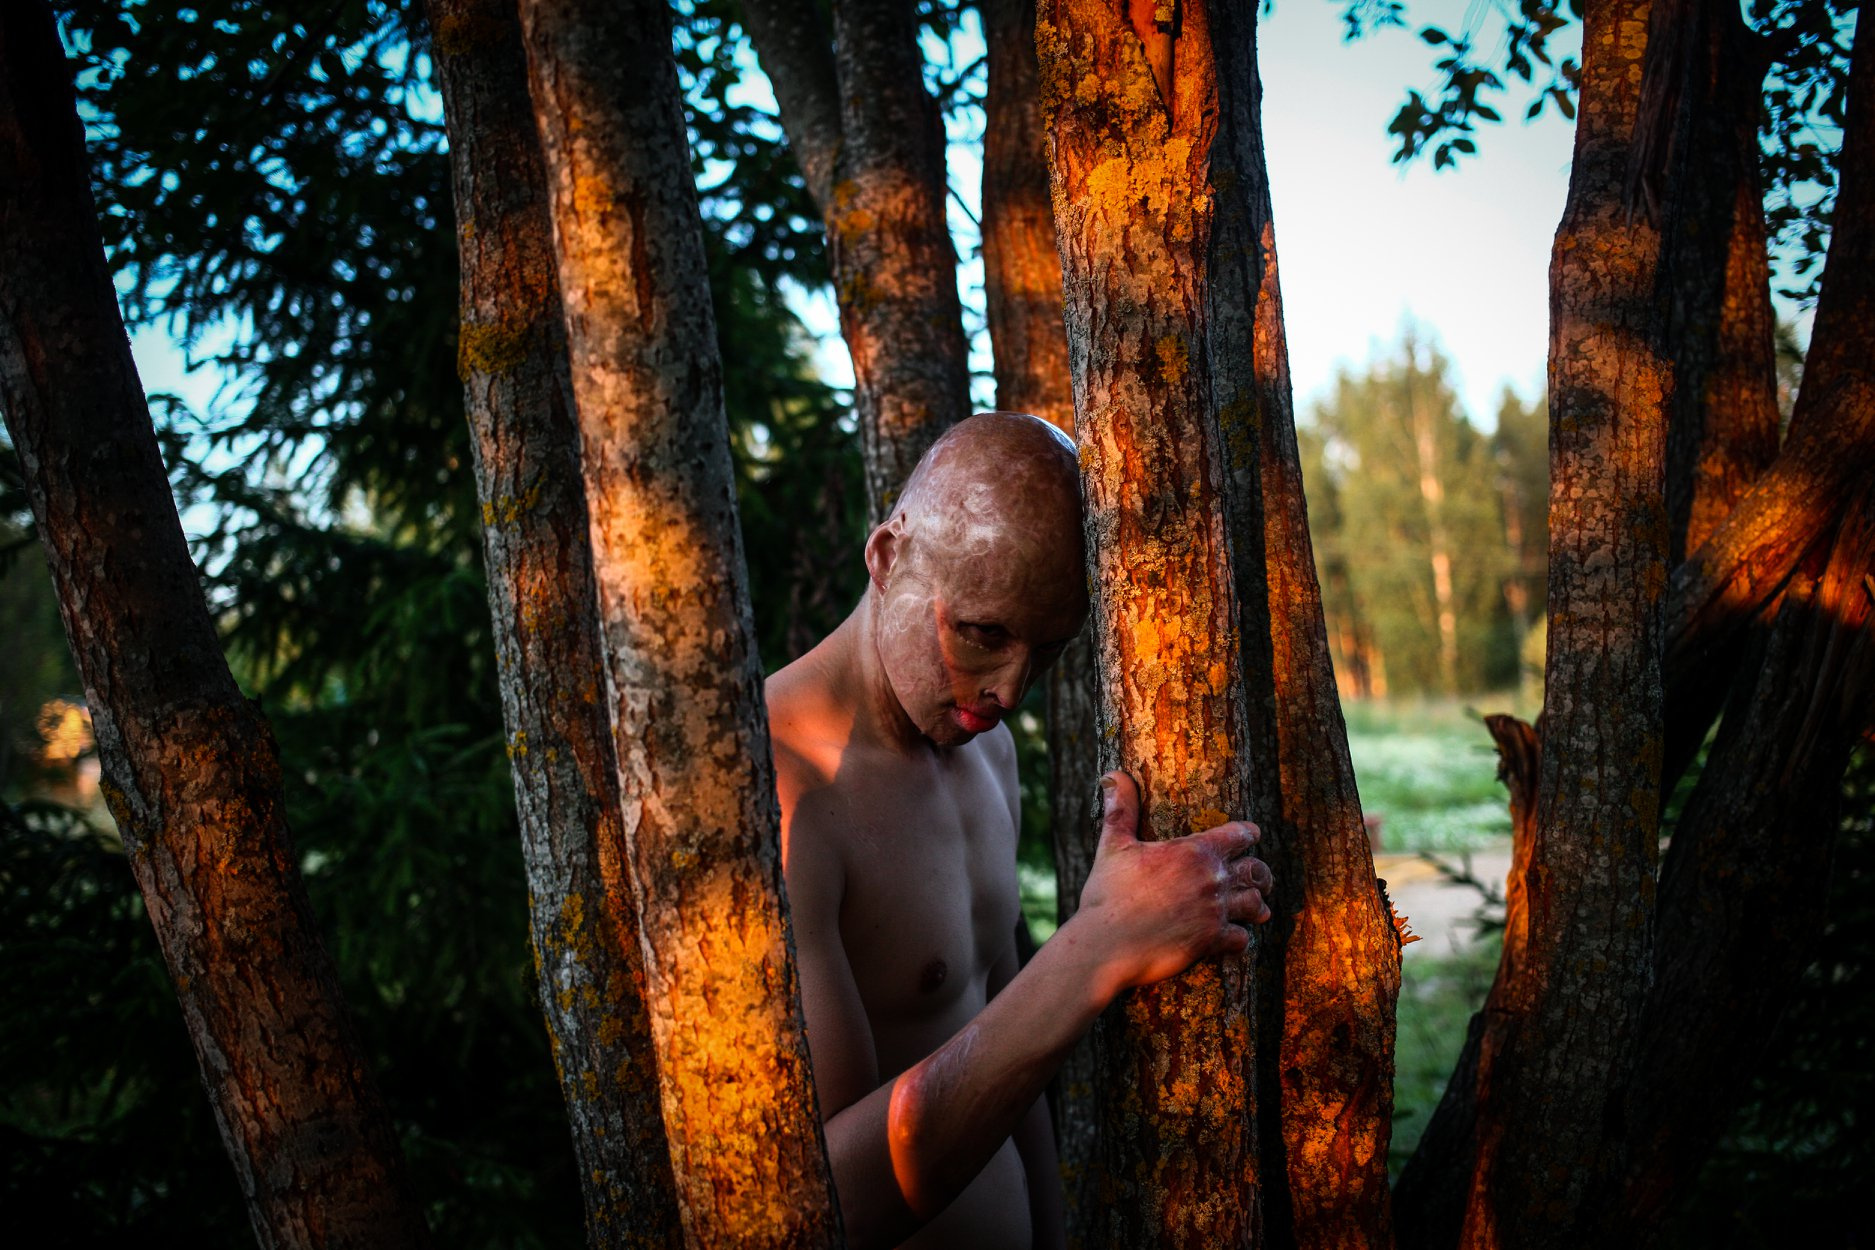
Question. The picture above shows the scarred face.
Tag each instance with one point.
(977, 589)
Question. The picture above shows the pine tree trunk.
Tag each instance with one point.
(1553, 1046)
(541, 597)
(1029, 345)
(682, 679)
(870, 139)
(1329, 972)
(1132, 114)
(191, 771)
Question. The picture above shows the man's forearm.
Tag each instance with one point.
(902, 1153)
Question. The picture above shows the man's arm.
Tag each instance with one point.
(902, 1151)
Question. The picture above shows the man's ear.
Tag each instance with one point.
(883, 549)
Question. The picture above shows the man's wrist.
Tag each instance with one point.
(1099, 968)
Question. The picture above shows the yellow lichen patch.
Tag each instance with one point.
(1237, 419)
(517, 745)
(492, 347)
(1209, 818)
(1174, 358)
(506, 511)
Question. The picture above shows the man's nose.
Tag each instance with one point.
(1010, 681)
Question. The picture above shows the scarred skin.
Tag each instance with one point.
(899, 820)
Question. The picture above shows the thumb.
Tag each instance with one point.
(1119, 808)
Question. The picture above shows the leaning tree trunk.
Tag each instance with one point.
(541, 597)
(191, 771)
(1742, 887)
(870, 139)
(1029, 346)
(682, 679)
(1131, 116)
(1553, 1050)
(1329, 972)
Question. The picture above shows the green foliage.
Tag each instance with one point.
(1801, 1150)
(1428, 770)
(1438, 994)
(1410, 530)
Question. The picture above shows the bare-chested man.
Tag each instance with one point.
(899, 817)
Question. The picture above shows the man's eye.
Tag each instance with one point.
(988, 637)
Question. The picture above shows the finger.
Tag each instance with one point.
(1260, 875)
(1250, 874)
(1233, 940)
(1235, 839)
(1119, 808)
(1244, 906)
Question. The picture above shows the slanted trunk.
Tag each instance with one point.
(1552, 1051)
(1329, 972)
(541, 598)
(870, 139)
(1131, 114)
(1029, 345)
(191, 771)
(1743, 882)
(682, 679)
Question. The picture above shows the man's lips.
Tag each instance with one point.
(978, 720)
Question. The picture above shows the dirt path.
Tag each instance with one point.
(1440, 911)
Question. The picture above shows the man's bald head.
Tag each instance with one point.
(999, 486)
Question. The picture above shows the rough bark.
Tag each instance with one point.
(1741, 906)
(191, 771)
(870, 139)
(1329, 972)
(1130, 148)
(1742, 885)
(1828, 457)
(541, 598)
(1557, 1024)
(682, 679)
(1723, 430)
(1029, 345)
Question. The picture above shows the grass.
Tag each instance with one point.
(1428, 770)
(1437, 998)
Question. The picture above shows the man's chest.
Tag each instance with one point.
(931, 897)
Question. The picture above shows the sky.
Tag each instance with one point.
(1364, 245)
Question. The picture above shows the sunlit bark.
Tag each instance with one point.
(191, 771)
(1029, 345)
(1330, 964)
(541, 596)
(682, 681)
(1552, 1051)
(1131, 110)
(870, 141)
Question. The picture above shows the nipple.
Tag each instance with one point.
(933, 976)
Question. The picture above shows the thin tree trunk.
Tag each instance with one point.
(1029, 344)
(1329, 972)
(1438, 541)
(682, 679)
(541, 596)
(1132, 115)
(870, 139)
(1557, 1024)
(191, 771)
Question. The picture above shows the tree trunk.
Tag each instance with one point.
(1329, 972)
(1556, 1027)
(1132, 114)
(541, 597)
(1438, 541)
(682, 679)
(1029, 344)
(191, 771)
(1743, 882)
(870, 139)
